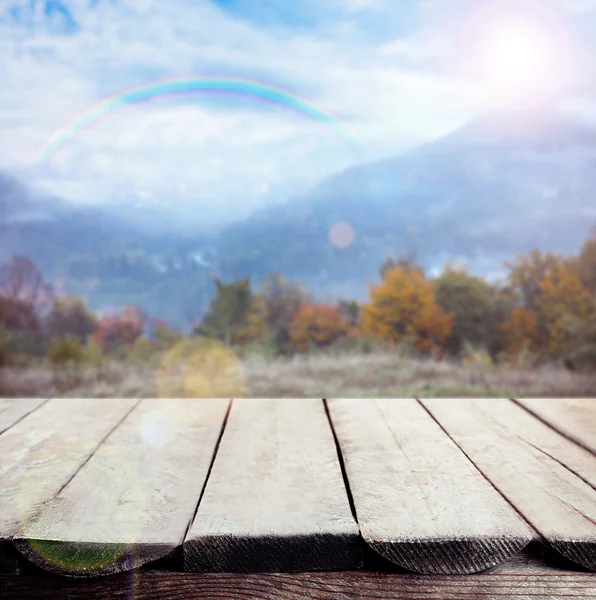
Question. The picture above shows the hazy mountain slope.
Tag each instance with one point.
(503, 184)
(109, 260)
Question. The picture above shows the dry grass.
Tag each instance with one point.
(348, 375)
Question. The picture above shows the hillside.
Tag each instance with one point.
(110, 260)
(504, 184)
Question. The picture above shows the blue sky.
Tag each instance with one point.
(386, 68)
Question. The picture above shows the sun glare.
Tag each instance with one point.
(517, 58)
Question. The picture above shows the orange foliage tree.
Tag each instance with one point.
(120, 329)
(317, 326)
(520, 331)
(403, 306)
(550, 288)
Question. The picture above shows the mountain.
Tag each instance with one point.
(503, 184)
(110, 260)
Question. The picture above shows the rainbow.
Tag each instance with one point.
(234, 86)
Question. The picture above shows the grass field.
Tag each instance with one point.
(379, 374)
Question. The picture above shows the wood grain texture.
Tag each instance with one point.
(133, 501)
(534, 432)
(14, 409)
(574, 418)
(275, 500)
(40, 453)
(419, 501)
(526, 579)
(559, 505)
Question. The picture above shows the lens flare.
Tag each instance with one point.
(201, 368)
(341, 235)
(75, 558)
(519, 53)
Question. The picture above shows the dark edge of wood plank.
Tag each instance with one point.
(73, 559)
(22, 414)
(580, 551)
(11, 560)
(273, 554)
(459, 555)
(583, 553)
(70, 558)
(266, 548)
(262, 555)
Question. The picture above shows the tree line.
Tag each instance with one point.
(543, 310)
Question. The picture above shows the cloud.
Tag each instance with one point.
(378, 66)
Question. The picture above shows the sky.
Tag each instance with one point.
(390, 74)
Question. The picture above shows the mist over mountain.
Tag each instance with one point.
(503, 184)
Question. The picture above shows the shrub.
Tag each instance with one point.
(66, 350)
(4, 350)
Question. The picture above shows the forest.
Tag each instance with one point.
(542, 315)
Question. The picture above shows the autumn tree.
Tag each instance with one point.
(227, 311)
(18, 315)
(561, 295)
(469, 300)
(23, 291)
(255, 329)
(526, 273)
(579, 352)
(350, 310)
(317, 326)
(70, 317)
(21, 280)
(120, 329)
(164, 336)
(406, 262)
(520, 331)
(403, 306)
(585, 265)
(281, 300)
(550, 288)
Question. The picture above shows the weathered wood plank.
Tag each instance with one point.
(419, 501)
(526, 579)
(574, 418)
(275, 500)
(133, 501)
(13, 410)
(531, 430)
(558, 504)
(40, 453)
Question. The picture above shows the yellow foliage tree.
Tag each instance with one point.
(585, 264)
(403, 306)
(550, 288)
(255, 330)
(561, 296)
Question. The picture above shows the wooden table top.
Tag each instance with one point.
(393, 498)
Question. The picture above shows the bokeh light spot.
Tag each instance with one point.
(341, 235)
(201, 368)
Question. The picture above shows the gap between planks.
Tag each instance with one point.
(527, 461)
(424, 506)
(131, 502)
